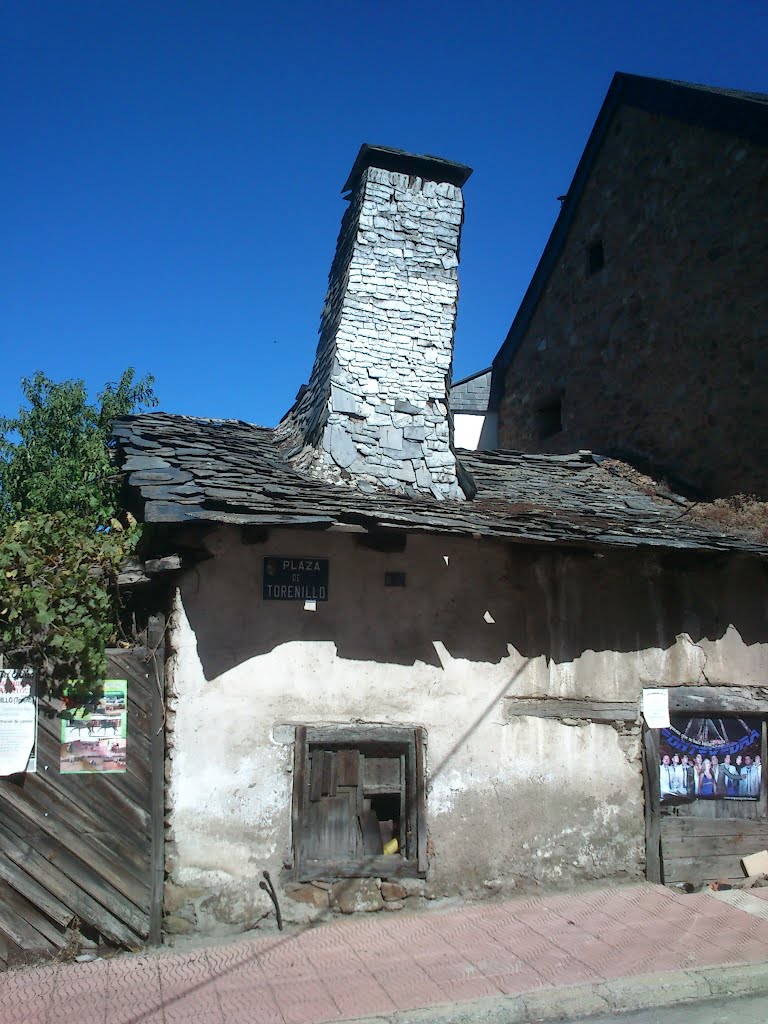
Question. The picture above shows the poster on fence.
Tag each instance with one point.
(94, 741)
(710, 759)
(18, 722)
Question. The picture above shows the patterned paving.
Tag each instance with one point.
(748, 900)
(377, 964)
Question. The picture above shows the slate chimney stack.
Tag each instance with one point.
(375, 411)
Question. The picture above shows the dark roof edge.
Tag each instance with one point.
(433, 168)
(737, 113)
(472, 376)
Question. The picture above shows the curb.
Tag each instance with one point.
(641, 992)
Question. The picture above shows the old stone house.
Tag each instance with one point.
(392, 660)
(644, 331)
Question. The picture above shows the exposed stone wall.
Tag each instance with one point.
(375, 410)
(664, 351)
(512, 802)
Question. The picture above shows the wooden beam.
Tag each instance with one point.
(420, 782)
(763, 801)
(554, 707)
(652, 791)
(358, 735)
(156, 643)
(708, 700)
(702, 869)
(682, 700)
(386, 866)
(299, 801)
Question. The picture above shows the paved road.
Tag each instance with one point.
(732, 1010)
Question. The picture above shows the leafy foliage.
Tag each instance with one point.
(63, 534)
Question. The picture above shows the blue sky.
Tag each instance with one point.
(171, 171)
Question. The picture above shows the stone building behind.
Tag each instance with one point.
(644, 331)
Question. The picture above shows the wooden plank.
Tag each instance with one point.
(13, 900)
(553, 707)
(728, 810)
(19, 930)
(329, 773)
(381, 774)
(737, 845)
(102, 792)
(66, 882)
(652, 791)
(387, 866)
(92, 883)
(299, 799)
(678, 827)
(317, 764)
(90, 850)
(135, 781)
(85, 821)
(94, 807)
(330, 829)
(136, 672)
(418, 790)
(31, 889)
(702, 869)
(155, 637)
(357, 735)
(371, 833)
(348, 767)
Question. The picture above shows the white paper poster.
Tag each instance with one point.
(18, 723)
(656, 708)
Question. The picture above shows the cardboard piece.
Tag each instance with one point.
(755, 863)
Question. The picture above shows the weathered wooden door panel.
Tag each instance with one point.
(89, 846)
(704, 840)
(701, 850)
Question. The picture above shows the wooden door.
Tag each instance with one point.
(87, 849)
(700, 841)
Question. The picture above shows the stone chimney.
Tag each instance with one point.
(375, 411)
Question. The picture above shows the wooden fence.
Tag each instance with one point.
(86, 850)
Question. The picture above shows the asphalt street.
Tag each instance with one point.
(731, 1010)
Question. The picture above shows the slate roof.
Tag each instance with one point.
(471, 394)
(188, 470)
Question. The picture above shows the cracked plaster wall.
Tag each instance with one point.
(511, 802)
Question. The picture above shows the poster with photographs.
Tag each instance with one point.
(94, 741)
(18, 722)
(710, 759)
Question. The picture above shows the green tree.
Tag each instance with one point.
(63, 533)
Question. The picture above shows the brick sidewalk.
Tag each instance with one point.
(383, 963)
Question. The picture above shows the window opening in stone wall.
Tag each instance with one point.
(595, 257)
(358, 802)
(549, 418)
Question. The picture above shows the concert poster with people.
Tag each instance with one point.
(95, 740)
(710, 759)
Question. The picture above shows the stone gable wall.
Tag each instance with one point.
(664, 351)
(375, 412)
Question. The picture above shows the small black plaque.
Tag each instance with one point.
(295, 579)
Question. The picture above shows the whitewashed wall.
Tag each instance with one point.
(510, 801)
